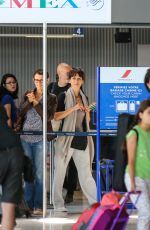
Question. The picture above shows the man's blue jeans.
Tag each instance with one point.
(34, 191)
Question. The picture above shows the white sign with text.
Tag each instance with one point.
(56, 11)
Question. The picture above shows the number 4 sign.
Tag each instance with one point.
(78, 31)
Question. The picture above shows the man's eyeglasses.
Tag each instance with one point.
(11, 82)
(38, 81)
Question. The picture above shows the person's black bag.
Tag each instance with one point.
(28, 170)
(124, 123)
(79, 142)
(22, 209)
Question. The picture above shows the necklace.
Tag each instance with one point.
(78, 99)
(77, 96)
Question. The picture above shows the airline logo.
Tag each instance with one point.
(122, 74)
(126, 74)
(95, 4)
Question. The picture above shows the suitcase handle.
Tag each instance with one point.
(127, 196)
(122, 203)
(138, 193)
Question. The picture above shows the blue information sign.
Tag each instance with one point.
(121, 91)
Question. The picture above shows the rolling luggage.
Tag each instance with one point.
(85, 218)
(110, 217)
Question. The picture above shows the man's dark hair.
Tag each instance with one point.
(40, 72)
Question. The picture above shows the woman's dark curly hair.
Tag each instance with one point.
(75, 71)
(4, 91)
(147, 79)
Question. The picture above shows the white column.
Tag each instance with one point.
(44, 119)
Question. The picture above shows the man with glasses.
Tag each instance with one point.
(31, 119)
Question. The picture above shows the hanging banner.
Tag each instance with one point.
(121, 91)
(55, 11)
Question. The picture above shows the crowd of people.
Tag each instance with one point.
(73, 155)
(66, 101)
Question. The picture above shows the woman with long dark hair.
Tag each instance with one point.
(8, 93)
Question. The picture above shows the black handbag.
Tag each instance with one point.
(28, 170)
(79, 142)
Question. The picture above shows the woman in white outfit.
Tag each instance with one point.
(73, 110)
